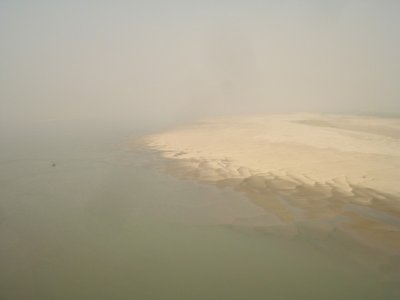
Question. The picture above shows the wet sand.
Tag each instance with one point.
(327, 173)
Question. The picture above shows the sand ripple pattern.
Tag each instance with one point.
(328, 171)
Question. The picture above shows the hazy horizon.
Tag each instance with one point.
(161, 61)
(110, 188)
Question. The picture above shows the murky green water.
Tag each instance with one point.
(106, 223)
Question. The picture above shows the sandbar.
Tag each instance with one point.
(335, 171)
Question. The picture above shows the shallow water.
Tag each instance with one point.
(108, 223)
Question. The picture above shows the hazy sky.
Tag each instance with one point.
(168, 59)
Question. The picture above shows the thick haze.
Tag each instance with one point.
(163, 60)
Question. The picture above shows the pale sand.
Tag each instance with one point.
(343, 170)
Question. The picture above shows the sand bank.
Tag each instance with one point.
(343, 171)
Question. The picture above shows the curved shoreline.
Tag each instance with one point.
(298, 174)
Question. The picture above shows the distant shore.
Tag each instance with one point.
(332, 171)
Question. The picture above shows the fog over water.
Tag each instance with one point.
(163, 60)
(87, 212)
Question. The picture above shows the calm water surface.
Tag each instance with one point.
(108, 223)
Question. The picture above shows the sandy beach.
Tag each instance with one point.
(330, 172)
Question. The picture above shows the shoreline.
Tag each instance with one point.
(348, 203)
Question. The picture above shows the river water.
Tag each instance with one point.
(82, 216)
